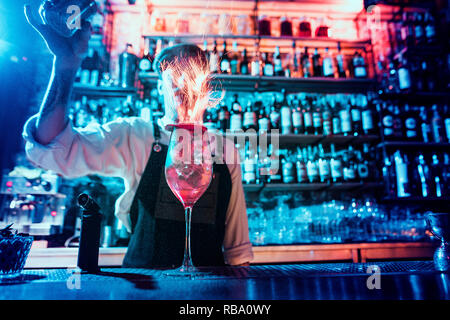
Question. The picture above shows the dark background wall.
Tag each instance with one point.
(25, 64)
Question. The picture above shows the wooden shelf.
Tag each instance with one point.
(305, 139)
(281, 41)
(417, 146)
(426, 98)
(312, 186)
(102, 92)
(251, 83)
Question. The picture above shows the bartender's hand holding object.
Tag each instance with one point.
(70, 51)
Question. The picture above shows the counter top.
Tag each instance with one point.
(344, 252)
(396, 280)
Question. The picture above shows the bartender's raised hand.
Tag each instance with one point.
(68, 52)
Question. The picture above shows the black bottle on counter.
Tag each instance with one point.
(90, 234)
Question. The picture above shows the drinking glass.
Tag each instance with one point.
(188, 170)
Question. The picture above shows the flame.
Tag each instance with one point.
(187, 82)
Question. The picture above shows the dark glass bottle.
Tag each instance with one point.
(306, 64)
(340, 62)
(277, 63)
(250, 120)
(225, 66)
(214, 59)
(410, 123)
(224, 117)
(317, 63)
(308, 118)
(244, 63)
(268, 65)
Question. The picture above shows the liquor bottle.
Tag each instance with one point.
(362, 167)
(286, 116)
(425, 126)
(447, 122)
(410, 123)
(312, 169)
(327, 64)
(423, 176)
(308, 118)
(397, 124)
(288, 169)
(256, 62)
(146, 62)
(297, 117)
(275, 173)
(349, 168)
(214, 59)
(437, 127)
(419, 30)
(317, 65)
(205, 49)
(368, 125)
(225, 66)
(324, 166)
(317, 118)
(250, 121)
(346, 120)
(300, 164)
(243, 67)
(208, 120)
(404, 78)
(327, 120)
(236, 115)
(401, 170)
(277, 63)
(428, 75)
(250, 165)
(306, 64)
(336, 119)
(436, 177)
(370, 154)
(268, 66)
(275, 116)
(263, 120)
(224, 117)
(295, 61)
(430, 31)
(417, 80)
(234, 59)
(393, 79)
(355, 112)
(359, 66)
(335, 166)
(340, 62)
(389, 177)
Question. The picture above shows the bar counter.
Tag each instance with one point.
(411, 280)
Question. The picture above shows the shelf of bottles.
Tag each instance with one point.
(267, 63)
(414, 114)
(415, 145)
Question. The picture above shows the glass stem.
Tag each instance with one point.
(187, 260)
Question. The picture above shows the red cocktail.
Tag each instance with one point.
(188, 171)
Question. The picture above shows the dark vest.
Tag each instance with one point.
(158, 224)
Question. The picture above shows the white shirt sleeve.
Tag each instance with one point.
(236, 244)
(96, 149)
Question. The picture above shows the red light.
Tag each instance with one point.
(9, 184)
(53, 213)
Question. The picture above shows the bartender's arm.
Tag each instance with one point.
(68, 54)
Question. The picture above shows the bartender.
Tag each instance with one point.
(135, 150)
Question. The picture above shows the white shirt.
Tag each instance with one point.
(121, 148)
